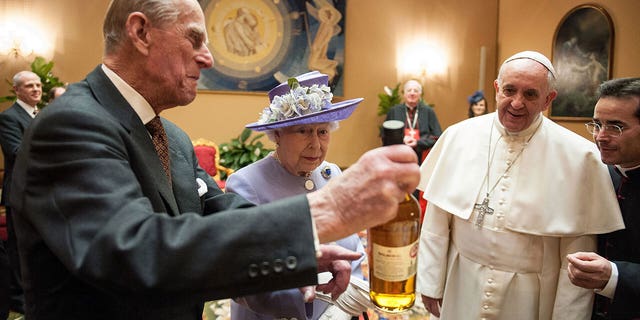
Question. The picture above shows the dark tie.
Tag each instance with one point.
(160, 143)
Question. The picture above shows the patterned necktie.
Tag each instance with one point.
(160, 143)
(35, 111)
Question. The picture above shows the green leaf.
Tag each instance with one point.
(386, 101)
(243, 150)
(245, 134)
(293, 83)
(257, 137)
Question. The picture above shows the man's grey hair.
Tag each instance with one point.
(17, 78)
(412, 81)
(159, 12)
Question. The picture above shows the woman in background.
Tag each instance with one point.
(477, 104)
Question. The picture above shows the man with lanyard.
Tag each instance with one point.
(421, 124)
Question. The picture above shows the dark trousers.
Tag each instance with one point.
(5, 274)
(16, 295)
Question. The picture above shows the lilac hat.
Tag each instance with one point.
(304, 99)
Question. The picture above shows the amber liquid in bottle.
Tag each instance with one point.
(393, 246)
(393, 250)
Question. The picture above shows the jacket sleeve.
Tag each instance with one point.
(429, 129)
(625, 300)
(10, 135)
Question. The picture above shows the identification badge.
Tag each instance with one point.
(413, 133)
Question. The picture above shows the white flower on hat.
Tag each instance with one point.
(298, 102)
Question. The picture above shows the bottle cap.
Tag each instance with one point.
(392, 132)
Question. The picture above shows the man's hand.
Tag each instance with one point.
(365, 195)
(334, 259)
(588, 270)
(432, 305)
(410, 141)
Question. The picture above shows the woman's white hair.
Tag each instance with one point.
(271, 134)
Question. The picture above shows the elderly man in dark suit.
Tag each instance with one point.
(13, 122)
(422, 128)
(117, 221)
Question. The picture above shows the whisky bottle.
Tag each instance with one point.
(393, 247)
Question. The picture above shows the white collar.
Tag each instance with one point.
(624, 170)
(139, 104)
(29, 109)
(524, 133)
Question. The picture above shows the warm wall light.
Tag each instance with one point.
(22, 40)
(421, 60)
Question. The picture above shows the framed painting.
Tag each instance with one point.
(582, 55)
(257, 44)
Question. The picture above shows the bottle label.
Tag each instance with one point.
(394, 263)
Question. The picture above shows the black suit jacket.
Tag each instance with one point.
(623, 248)
(13, 123)
(103, 236)
(427, 124)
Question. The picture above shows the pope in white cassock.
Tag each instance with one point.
(510, 194)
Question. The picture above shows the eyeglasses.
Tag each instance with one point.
(613, 129)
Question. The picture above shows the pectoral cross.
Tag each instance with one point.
(482, 209)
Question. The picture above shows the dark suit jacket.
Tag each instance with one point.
(623, 248)
(102, 235)
(427, 124)
(13, 122)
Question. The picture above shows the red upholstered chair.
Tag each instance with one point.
(209, 159)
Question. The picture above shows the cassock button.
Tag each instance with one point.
(278, 265)
(265, 268)
(291, 262)
(253, 270)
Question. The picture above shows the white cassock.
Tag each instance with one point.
(553, 200)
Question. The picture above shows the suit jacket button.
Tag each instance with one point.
(253, 270)
(291, 262)
(278, 265)
(265, 268)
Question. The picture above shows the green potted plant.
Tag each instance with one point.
(389, 98)
(243, 150)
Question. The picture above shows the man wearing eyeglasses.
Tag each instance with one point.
(614, 272)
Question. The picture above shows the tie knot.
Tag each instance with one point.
(155, 126)
(35, 111)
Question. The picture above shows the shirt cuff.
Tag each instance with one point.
(316, 240)
(610, 289)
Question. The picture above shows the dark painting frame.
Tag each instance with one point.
(582, 56)
(257, 44)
